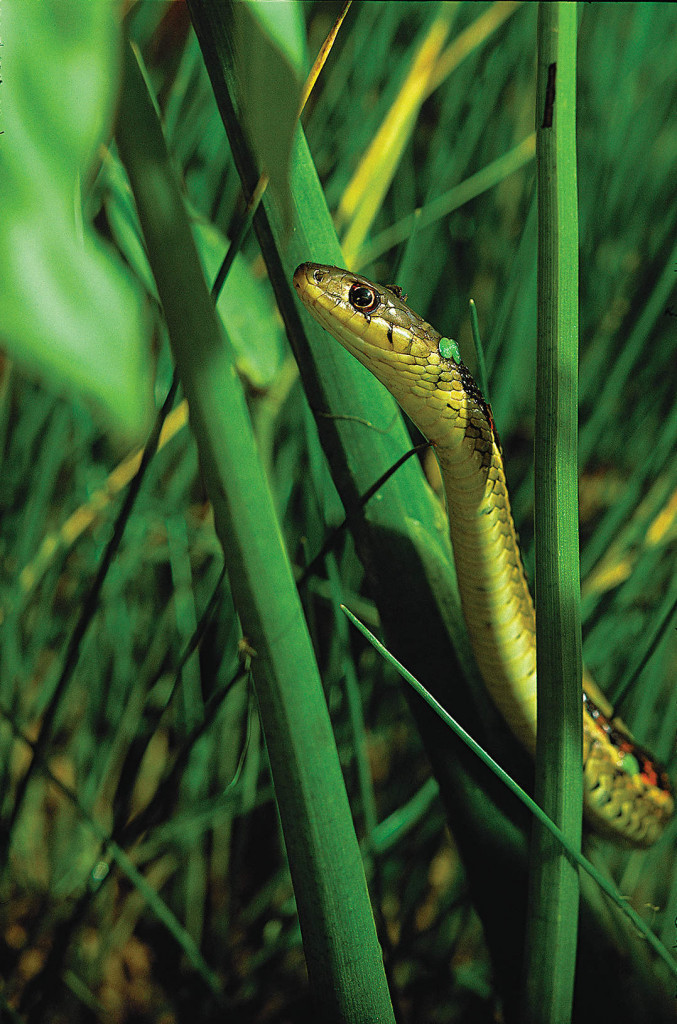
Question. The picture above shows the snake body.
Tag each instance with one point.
(627, 794)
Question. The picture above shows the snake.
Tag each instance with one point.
(627, 794)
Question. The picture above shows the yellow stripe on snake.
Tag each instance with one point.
(627, 794)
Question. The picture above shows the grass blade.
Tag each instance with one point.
(344, 958)
(552, 929)
(558, 836)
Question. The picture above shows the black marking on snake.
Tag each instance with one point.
(475, 395)
(549, 96)
(650, 770)
(390, 333)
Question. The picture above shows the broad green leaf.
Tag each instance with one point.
(71, 314)
(245, 304)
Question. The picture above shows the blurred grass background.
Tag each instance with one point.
(213, 923)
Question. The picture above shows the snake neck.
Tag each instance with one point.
(442, 399)
(495, 597)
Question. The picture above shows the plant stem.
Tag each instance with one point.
(552, 927)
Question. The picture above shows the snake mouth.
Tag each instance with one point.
(303, 275)
(307, 271)
(310, 281)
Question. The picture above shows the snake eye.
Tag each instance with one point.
(363, 298)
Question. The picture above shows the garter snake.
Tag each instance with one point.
(627, 794)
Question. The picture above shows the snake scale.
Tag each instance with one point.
(627, 794)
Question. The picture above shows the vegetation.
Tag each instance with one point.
(175, 840)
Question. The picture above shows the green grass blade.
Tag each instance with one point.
(558, 836)
(479, 352)
(552, 929)
(451, 200)
(343, 954)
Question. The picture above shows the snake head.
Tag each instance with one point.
(422, 369)
(373, 322)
